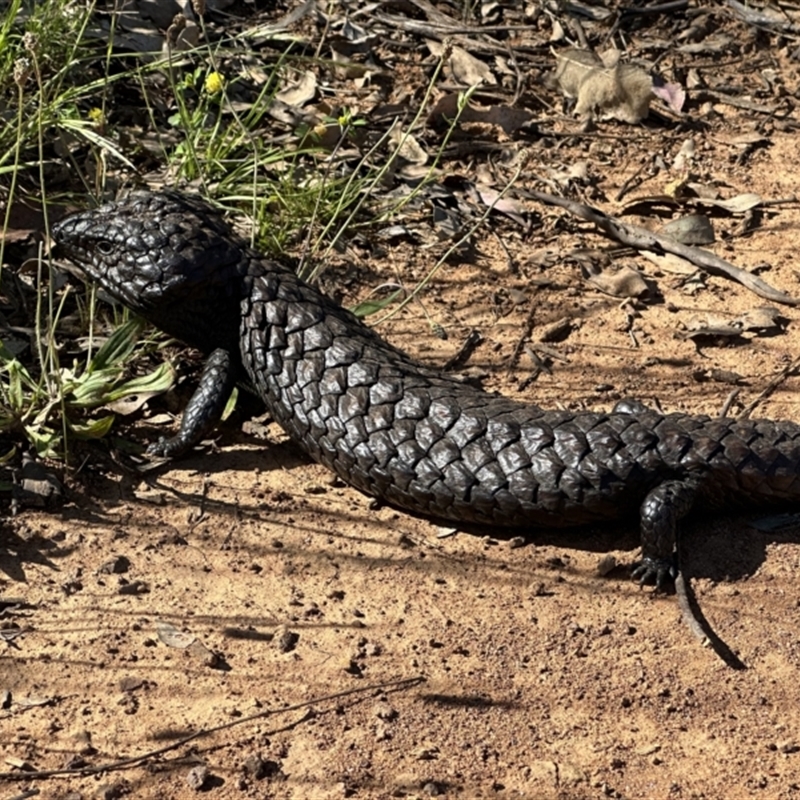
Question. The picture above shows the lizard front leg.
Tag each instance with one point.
(204, 409)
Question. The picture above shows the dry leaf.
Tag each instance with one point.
(762, 318)
(505, 205)
(683, 194)
(710, 321)
(172, 637)
(710, 45)
(300, 91)
(35, 702)
(19, 763)
(505, 117)
(669, 262)
(625, 282)
(408, 148)
(463, 67)
(726, 332)
(740, 203)
(556, 331)
(718, 376)
(747, 139)
(694, 229)
(132, 403)
(684, 157)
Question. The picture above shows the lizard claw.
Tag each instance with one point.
(166, 447)
(661, 571)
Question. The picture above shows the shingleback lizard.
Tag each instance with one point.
(416, 438)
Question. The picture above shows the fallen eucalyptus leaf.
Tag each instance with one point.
(722, 332)
(740, 203)
(505, 205)
(693, 229)
(718, 376)
(466, 69)
(505, 117)
(556, 331)
(408, 148)
(763, 318)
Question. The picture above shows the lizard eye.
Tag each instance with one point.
(105, 247)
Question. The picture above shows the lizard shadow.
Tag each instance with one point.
(720, 548)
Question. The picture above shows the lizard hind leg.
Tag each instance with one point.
(660, 512)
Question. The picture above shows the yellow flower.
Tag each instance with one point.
(214, 83)
(97, 116)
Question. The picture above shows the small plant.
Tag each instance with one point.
(48, 410)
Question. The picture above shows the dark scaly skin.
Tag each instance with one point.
(417, 439)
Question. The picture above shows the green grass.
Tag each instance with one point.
(73, 103)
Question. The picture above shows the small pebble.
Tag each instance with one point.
(285, 640)
(606, 564)
(385, 712)
(117, 566)
(112, 791)
(255, 767)
(131, 683)
(352, 667)
(197, 777)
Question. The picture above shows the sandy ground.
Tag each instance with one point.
(336, 650)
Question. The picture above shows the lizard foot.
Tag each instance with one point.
(661, 571)
(167, 447)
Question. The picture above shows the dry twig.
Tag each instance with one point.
(771, 387)
(642, 239)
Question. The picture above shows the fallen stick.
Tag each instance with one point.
(773, 384)
(642, 239)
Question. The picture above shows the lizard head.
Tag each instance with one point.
(169, 257)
